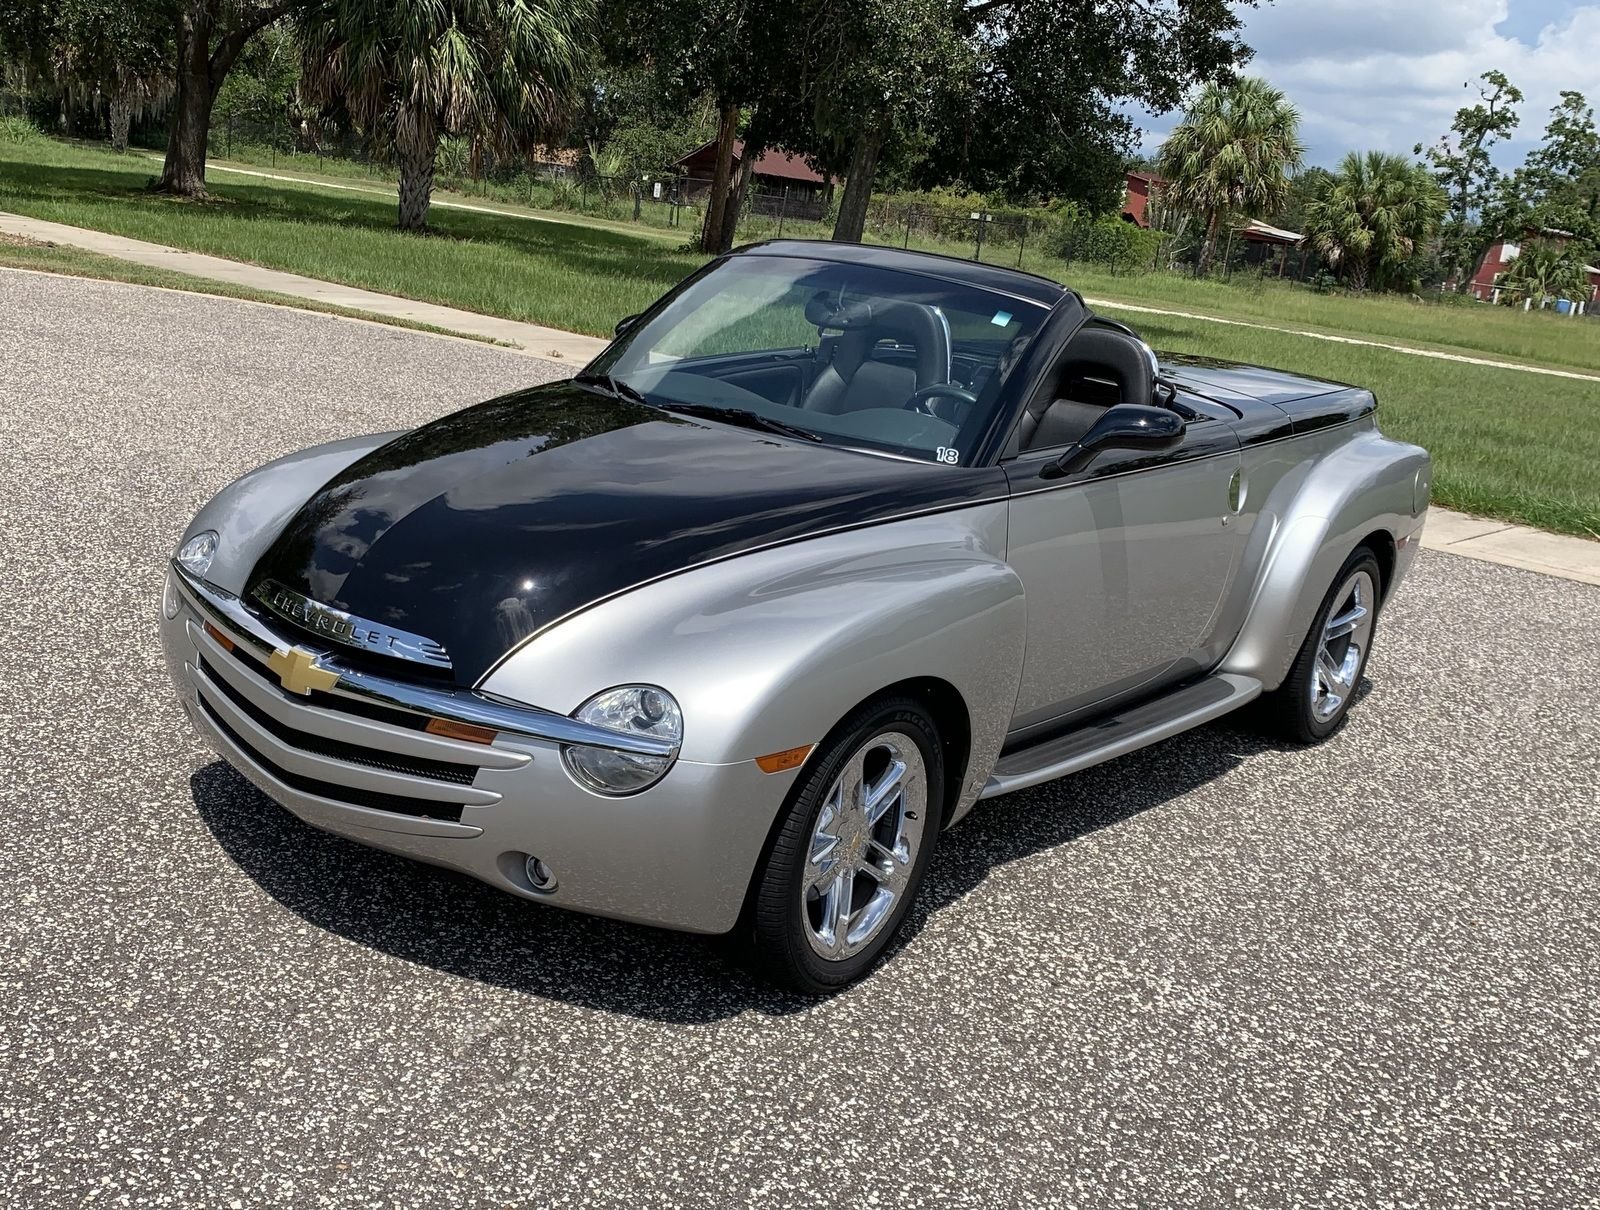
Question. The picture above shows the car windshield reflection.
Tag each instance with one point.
(860, 356)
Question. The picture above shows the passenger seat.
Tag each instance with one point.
(1100, 367)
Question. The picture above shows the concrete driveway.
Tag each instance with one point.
(1216, 972)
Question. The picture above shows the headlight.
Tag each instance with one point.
(630, 710)
(170, 601)
(195, 555)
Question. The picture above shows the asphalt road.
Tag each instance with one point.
(1213, 973)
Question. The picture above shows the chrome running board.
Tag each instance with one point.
(1112, 737)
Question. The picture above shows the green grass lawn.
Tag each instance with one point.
(348, 175)
(1512, 445)
(1500, 333)
(568, 276)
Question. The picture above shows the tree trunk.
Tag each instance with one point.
(716, 204)
(1208, 248)
(121, 119)
(200, 72)
(184, 172)
(416, 184)
(736, 198)
(851, 223)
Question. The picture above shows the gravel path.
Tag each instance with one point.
(1215, 972)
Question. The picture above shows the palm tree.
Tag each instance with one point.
(413, 71)
(1542, 271)
(1232, 155)
(1370, 218)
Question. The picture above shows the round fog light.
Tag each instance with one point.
(540, 875)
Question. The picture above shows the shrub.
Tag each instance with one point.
(1109, 240)
(454, 158)
(564, 194)
(19, 130)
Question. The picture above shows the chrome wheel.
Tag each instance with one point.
(1343, 648)
(864, 845)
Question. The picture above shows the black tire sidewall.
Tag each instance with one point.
(778, 934)
(1294, 698)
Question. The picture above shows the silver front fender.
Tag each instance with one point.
(768, 651)
(252, 510)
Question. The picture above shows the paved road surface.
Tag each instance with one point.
(1211, 973)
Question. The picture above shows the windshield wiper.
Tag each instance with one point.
(743, 417)
(613, 386)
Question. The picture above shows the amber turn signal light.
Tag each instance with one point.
(789, 758)
(468, 731)
(226, 642)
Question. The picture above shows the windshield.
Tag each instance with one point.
(871, 358)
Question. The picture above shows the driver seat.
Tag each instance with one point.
(852, 380)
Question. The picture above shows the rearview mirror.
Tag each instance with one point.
(625, 324)
(1123, 427)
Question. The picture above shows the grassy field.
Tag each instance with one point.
(448, 192)
(1501, 333)
(1508, 444)
(580, 278)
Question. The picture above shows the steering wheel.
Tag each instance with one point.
(922, 401)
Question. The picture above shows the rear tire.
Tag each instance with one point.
(851, 852)
(1315, 697)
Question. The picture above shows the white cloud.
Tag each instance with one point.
(1388, 74)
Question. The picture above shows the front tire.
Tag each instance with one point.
(851, 852)
(1313, 700)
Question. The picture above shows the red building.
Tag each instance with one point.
(773, 172)
(1141, 186)
(1496, 263)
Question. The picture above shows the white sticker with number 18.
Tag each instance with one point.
(946, 454)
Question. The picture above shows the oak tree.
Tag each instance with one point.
(1461, 163)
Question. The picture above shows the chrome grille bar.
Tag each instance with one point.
(228, 613)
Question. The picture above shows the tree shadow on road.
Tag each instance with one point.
(449, 922)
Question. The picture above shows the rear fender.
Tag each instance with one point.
(1367, 485)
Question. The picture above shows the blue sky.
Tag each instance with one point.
(1388, 74)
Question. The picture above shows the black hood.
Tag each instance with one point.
(483, 527)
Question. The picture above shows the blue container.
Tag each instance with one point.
(1563, 306)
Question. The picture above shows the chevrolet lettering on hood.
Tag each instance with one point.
(339, 627)
(731, 627)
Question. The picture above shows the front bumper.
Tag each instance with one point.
(679, 855)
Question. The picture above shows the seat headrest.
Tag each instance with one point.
(1125, 357)
(865, 323)
(825, 310)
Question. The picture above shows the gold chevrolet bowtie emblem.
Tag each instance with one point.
(298, 671)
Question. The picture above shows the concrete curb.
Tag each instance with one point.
(1509, 545)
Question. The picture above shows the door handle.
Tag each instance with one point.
(1236, 492)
